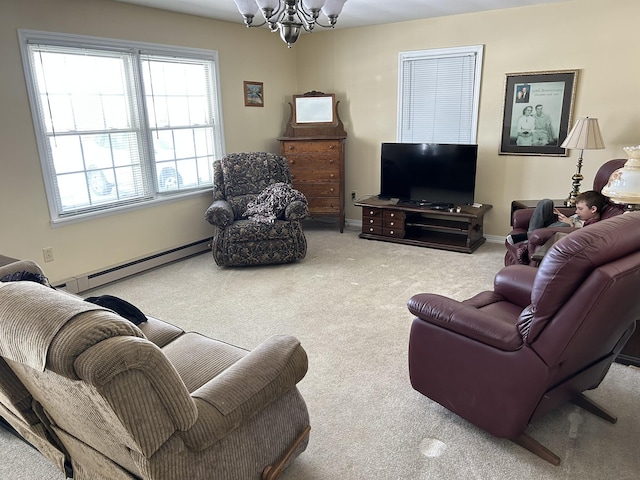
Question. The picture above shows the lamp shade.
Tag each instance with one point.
(585, 135)
(313, 4)
(624, 184)
(247, 7)
(332, 8)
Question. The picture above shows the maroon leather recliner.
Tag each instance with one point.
(543, 336)
(520, 253)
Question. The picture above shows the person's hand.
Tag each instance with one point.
(562, 217)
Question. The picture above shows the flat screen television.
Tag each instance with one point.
(429, 174)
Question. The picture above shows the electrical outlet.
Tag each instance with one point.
(354, 195)
(47, 253)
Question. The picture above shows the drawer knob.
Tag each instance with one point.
(291, 147)
(392, 224)
(371, 229)
(331, 147)
(332, 175)
(331, 190)
(391, 232)
(331, 160)
(393, 214)
(371, 220)
(370, 212)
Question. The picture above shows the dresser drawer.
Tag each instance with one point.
(314, 147)
(318, 189)
(372, 221)
(371, 212)
(393, 232)
(314, 169)
(372, 229)
(318, 176)
(324, 204)
(394, 215)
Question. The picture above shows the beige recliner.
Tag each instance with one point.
(120, 406)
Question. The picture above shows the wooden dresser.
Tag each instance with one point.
(317, 169)
(313, 143)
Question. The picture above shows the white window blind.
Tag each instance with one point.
(439, 94)
(120, 124)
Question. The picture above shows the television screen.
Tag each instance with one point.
(429, 173)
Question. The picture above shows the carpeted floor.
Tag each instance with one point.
(346, 302)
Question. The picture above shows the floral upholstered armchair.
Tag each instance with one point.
(255, 212)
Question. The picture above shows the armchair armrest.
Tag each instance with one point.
(514, 284)
(296, 210)
(540, 236)
(20, 266)
(521, 218)
(219, 213)
(245, 388)
(466, 320)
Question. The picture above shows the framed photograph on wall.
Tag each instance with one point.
(253, 94)
(537, 112)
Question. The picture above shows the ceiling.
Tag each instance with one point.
(356, 13)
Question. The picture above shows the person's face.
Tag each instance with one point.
(538, 110)
(585, 213)
(528, 111)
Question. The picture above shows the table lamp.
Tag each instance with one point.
(623, 187)
(585, 135)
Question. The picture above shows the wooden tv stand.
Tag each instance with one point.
(459, 230)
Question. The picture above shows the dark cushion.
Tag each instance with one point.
(120, 306)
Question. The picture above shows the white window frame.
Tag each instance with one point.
(153, 193)
(405, 59)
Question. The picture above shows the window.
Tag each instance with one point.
(439, 92)
(120, 124)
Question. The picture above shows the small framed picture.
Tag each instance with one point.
(537, 112)
(253, 94)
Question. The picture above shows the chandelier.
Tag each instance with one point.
(290, 16)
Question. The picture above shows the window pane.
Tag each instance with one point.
(117, 125)
(179, 96)
(439, 95)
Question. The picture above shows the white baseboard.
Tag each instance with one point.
(95, 279)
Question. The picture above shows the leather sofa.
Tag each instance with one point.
(521, 253)
(103, 397)
(538, 340)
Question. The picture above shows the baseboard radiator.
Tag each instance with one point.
(111, 274)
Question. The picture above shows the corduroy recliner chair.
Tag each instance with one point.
(543, 336)
(122, 407)
(521, 253)
(256, 179)
(17, 407)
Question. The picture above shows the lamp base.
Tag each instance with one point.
(576, 180)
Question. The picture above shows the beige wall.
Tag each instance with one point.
(597, 37)
(255, 55)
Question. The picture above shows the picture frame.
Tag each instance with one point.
(253, 94)
(537, 111)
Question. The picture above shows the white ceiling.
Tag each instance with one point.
(356, 13)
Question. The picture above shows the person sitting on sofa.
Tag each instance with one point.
(589, 205)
